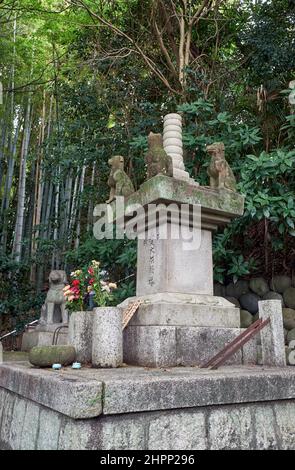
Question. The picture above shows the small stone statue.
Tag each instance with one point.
(219, 171)
(54, 309)
(157, 160)
(119, 181)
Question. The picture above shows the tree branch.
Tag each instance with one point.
(152, 66)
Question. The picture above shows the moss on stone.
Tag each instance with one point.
(45, 356)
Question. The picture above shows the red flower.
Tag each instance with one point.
(91, 270)
(91, 281)
(76, 282)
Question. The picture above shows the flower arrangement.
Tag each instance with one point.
(87, 289)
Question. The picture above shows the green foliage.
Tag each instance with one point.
(263, 181)
(19, 301)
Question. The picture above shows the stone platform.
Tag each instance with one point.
(137, 408)
(43, 335)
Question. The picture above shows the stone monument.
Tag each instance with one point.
(180, 322)
(53, 315)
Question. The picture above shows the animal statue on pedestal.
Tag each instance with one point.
(157, 160)
(54, 310)
(119, 182)
(219, 171)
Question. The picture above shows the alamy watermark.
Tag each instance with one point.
(152, 222)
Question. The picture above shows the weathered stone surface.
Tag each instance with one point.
(250, 353)
(246, 318)
(30, 427)
(289, 318)
(68, 394)
(289, 297)
(233, 301)
(259, 286)
(78, 434)
(1, 353)
(187, 388)
(165, 266)
(280, 283)
(80, 335)
(127, 434)
(167, 346)
(49, 429)
(107, 337)
(237, 289)
(230, 431)
(177, 431)
(228, 203)
(290, 335)
(42, 338)
(272, 335)
(151, 346)
(284, 416)
(265, 427)
(264, 419)
(273, 296)
(249, 302)
(187, 314)
(45, 356)
(197, 345)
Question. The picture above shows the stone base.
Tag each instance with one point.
(167, 309)
(43, 338)
(172, 329)
(131, 408)
(170, 346)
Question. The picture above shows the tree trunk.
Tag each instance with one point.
(19, 225)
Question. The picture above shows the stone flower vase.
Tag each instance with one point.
(80, 335)
(107, 337)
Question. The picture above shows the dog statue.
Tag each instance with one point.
(156, 159)
(54, 310)
(119, 182)
(219, 171)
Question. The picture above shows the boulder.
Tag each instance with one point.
(219, 289)
(290, 335)
(46, 356)
(234, 301)
(290, 356)
(289, 318)
(273, 296)
(280, 283)
(289, 297)
(246, 318)
(249, 302)
(237, 289)
(259, 286)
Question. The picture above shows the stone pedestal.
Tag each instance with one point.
(107, 341)
(181, 322)
(80, 335)
(43, 335)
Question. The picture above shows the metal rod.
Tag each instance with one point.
(236, 344)
(229, 345)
